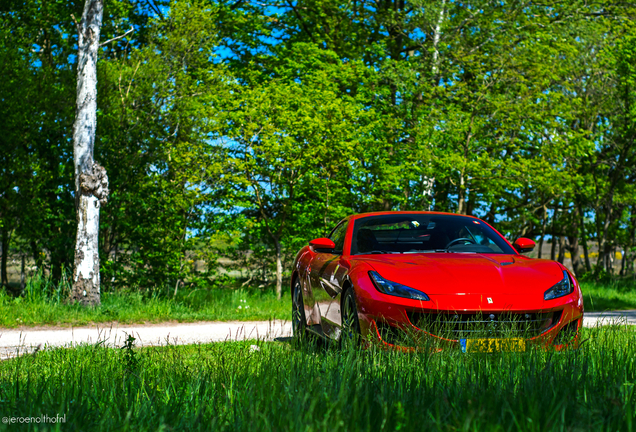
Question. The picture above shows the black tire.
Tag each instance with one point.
(299, 322)
(350, 335)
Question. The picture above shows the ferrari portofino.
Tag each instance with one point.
(411, 277)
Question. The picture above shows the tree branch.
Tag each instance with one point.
(155, 9)
(76, 23)
(302, 21)
(118, 37)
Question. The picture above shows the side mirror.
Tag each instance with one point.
(322, 245)
(524, 245)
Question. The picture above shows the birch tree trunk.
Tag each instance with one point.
(429, 182)
(279, 270)
(461, 194)
(6, 238)
(23, 274)
(543, 228)
(436, 37)
(91, 182)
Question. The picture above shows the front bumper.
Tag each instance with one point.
(560, 336)
(397, 322)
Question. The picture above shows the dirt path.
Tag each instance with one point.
(114, 335)
(591, 319)
(24, 340)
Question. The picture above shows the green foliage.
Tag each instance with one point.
(156, 118)
(243, 129)
(38, 48)
(131, 360)
(288, 149)
(233, 386)
(36, 202)
(493, 109)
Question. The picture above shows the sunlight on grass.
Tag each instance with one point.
(44, 305)
(604, 296)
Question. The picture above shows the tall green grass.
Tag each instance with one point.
(609, 295)
(44, 303)
(282, 387)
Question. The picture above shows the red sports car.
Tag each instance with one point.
(419, 277)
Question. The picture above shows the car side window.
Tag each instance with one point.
(338, 237)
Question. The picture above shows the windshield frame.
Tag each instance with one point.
(491, 233)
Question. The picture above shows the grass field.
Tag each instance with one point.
(44, 304)
(608, 296)
(281, 387)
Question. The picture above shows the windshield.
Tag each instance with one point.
(416, 233)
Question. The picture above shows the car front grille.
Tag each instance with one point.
(472, 325)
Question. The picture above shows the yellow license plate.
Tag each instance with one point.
(493, 345)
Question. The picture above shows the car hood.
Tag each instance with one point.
(467, 273)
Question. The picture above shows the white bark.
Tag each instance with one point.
(436, 37)
(429, 182)
(461, 195)
(91, 182)
(279, 271)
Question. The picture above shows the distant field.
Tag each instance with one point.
(277, 387)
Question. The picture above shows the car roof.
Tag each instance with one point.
(363, 215)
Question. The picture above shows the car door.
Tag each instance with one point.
(326, 278)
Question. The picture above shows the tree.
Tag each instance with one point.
(91, 182)
(158, 121)
(289, 142)
(37, 96)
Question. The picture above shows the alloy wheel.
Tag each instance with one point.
(298, 311)
(350, 324)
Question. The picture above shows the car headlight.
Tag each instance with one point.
(561, 289)
(396, 289)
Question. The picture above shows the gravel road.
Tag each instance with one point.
(14, 341)
(112, 334)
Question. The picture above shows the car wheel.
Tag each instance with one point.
(350, 324)
(299, 323)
